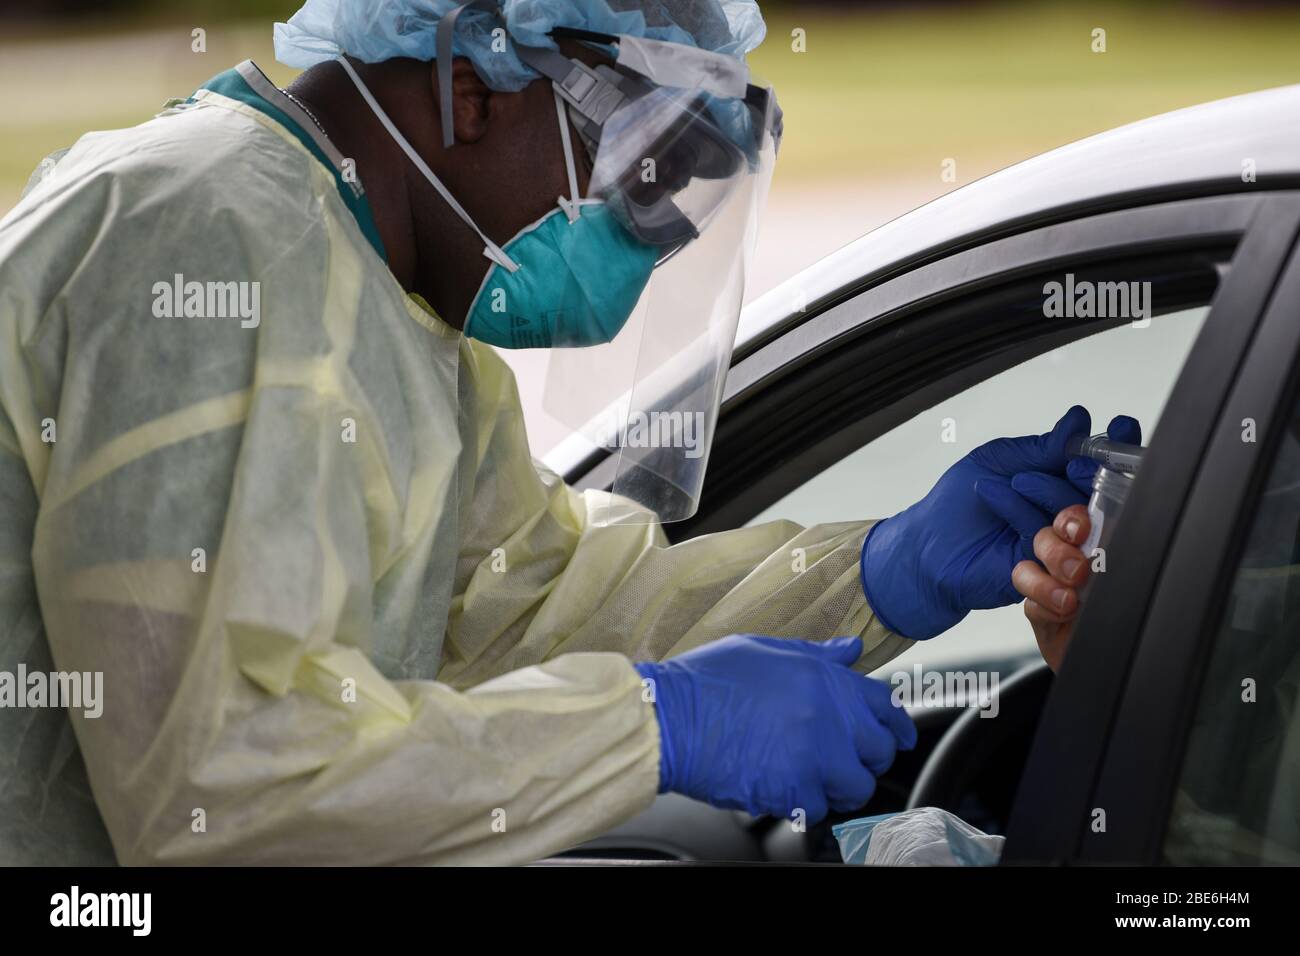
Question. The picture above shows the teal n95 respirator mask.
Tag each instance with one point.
(577, 278)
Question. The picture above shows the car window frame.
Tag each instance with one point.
(1115, 727)
(763, 450)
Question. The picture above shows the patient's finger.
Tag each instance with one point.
(1062, 560)
(1051, 635)
(1055, 602)
(1072, 524)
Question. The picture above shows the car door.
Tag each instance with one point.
(1169, 736)
(813, 414)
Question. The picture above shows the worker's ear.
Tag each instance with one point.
(469, 100)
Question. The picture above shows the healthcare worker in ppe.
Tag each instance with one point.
(263, 470)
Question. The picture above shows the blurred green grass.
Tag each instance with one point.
(900, 91)
(880, 94)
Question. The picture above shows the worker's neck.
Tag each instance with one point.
(334, 101)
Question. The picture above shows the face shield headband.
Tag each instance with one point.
(671, 129)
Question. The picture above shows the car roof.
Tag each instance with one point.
(1196, 150)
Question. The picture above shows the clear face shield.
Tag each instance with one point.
(684, 148)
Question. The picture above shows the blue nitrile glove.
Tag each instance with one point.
(771, 725)
(1034, 498)
(952, 552)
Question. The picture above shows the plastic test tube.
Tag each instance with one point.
(1119, 463)
(1115, 455)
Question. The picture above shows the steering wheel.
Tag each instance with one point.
(974, 744)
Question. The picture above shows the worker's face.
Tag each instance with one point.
(519, 170)
(507, 169)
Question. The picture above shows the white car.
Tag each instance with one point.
(942, 319)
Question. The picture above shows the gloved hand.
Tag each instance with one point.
(770, 725)
(952, 552)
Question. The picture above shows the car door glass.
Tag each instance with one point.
(1238, 799)
(1128, 370)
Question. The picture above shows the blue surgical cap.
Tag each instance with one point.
(376, 30)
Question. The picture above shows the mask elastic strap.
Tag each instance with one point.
(446, 34)
(491, 249)
(570, 206)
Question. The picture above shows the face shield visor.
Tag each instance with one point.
(683, 148)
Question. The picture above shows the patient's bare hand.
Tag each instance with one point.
(1052, 595)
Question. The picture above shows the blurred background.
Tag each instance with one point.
(877, 95)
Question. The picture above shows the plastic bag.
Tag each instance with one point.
(925, 836)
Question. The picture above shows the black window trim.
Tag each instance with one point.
(1064, 214)
(1165, 682)
(1140, 231)
(1110, 737)
(772, 384)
